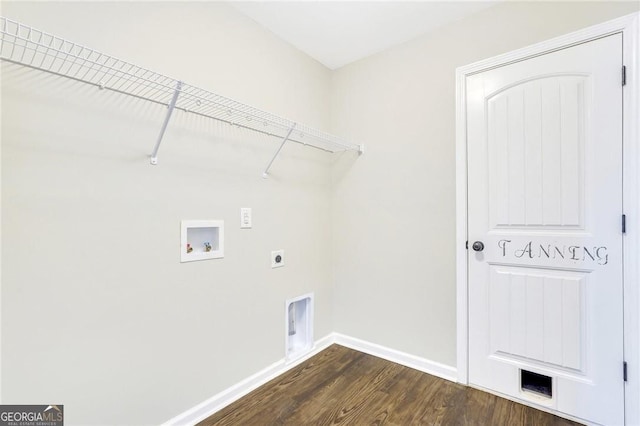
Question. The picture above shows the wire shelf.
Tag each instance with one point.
(24, 45)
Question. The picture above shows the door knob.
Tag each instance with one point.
(478, 246)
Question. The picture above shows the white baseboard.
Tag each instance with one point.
(422, 364)
(237, 391)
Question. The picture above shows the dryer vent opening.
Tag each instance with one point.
(299, 326)
(536, 383)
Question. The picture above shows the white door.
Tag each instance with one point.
(545, 198)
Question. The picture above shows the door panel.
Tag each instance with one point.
(537, 315)
(528, 171)
(545, 197)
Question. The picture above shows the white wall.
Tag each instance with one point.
(394, 209)
(98, 313)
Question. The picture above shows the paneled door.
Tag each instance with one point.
(544, 141)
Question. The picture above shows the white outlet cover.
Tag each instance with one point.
(245, 217)
(274, 257)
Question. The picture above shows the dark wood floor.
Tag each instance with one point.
(342, 386)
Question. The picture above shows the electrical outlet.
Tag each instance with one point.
(277, 258)
(245, 217)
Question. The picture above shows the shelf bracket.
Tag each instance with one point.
(172, 106)
(286, 138)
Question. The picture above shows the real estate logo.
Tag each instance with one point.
(31, 415)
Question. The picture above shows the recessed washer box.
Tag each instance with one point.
(201, 240)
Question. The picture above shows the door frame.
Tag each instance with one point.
(629, 27)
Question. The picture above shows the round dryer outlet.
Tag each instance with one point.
(277, 258)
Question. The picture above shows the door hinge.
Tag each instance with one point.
(466, 245)
(624, 370)
(624, 223)
(624, 75)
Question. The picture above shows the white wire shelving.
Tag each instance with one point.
(24, 45)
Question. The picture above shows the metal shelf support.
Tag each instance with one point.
(172, 106)
(286, 138)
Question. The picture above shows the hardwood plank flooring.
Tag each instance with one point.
(347, 387)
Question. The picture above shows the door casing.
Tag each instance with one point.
(629, 27)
